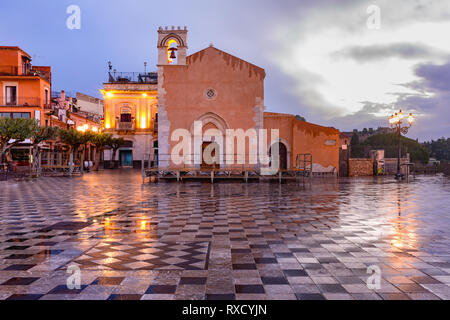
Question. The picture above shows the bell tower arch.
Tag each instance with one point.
(172, 46)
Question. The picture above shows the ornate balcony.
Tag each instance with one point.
(125, 126)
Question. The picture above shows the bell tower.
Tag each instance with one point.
(172, 46)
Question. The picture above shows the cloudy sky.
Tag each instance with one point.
(336, 62)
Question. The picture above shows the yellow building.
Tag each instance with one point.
(130, 109)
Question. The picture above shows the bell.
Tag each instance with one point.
(172, 53)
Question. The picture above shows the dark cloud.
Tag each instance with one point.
(396, 50)
(431, 105)
(435, 77)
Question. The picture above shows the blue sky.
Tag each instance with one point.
(321, 59)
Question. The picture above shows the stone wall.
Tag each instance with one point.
(360, 167)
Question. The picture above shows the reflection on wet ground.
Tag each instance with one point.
(224, 241)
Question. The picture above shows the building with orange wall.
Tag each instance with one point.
(24, 89)
(211, 87)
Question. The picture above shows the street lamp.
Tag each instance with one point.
(397, 122)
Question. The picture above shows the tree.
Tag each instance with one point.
(100, 140)
(389, 141)
(14, 131)
(41, 134)
(439, 149)
(355, 139)
(74, 139)
(298, 117)
(116, 143)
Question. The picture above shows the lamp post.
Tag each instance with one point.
(397, 122)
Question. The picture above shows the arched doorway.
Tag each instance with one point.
(210, 156)
(283, 154)
(210, 147)
(213, 141)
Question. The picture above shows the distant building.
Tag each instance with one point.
(89, 104)
(64, 113)
(24, 88)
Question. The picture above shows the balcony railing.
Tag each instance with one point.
(16, 71)
(125, 126)
(133, 77)
(24, 102)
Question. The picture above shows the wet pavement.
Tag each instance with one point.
(224, 241)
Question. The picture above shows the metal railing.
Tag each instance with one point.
(24, 102)
(16, 71)
(133, 77)
(68, 94)
(224, 161)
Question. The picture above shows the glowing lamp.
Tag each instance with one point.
(143, 122)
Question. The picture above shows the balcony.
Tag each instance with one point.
(133, 77)
(125, 126)
(24, 102)
(23, 72)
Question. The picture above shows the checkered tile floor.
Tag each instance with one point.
(224, 241)
(118, 255)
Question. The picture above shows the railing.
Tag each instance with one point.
(68, 94)
(127, 126)
(133, 77)
(16, 71)
(24, 102)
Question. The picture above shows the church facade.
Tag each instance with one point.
(218, 100)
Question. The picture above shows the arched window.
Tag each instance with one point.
(172, 48)
(125, 114)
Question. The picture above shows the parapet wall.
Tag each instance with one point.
(360, 167)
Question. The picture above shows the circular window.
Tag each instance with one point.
(210, 94)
